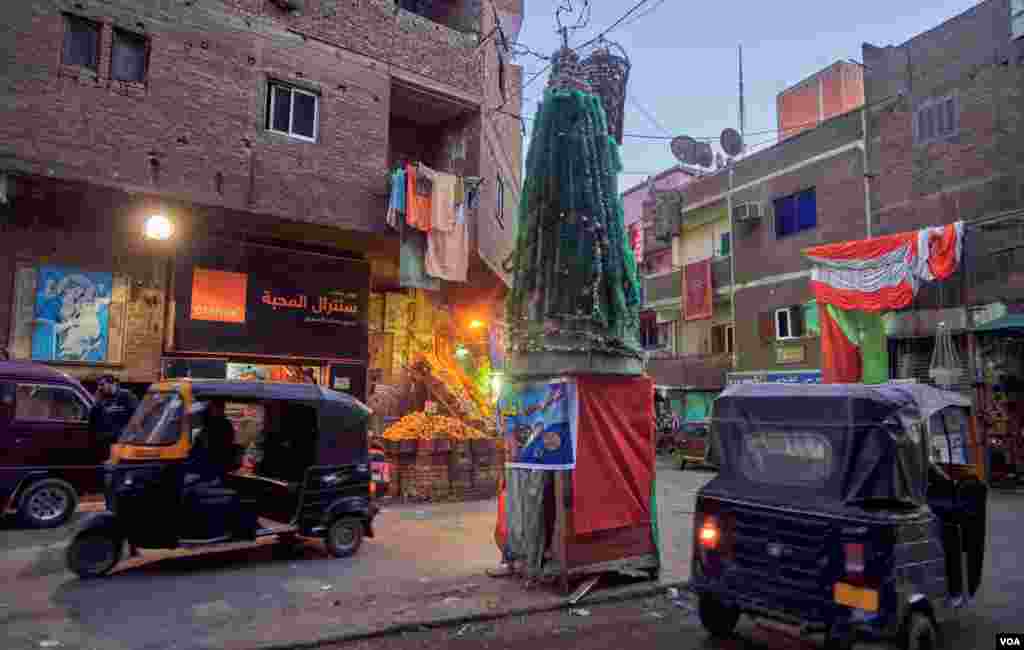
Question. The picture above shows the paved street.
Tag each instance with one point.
(428, 562)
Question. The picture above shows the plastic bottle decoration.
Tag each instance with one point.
(575, 291)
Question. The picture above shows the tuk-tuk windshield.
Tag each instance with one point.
(786, 457)
(157, 420)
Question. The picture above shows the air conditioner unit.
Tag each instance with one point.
(745, 212)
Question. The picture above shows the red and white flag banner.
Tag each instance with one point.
(884, 273)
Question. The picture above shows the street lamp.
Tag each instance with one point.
(158, 227)
(476, 324)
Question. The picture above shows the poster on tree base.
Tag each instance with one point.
(538, 421)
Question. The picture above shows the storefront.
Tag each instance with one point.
(252, 311)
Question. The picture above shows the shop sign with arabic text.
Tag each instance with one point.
(269, 301)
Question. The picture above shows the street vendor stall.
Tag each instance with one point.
(1000, 392)
(437, 434)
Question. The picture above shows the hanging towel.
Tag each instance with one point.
(447, 242)
(419, 191)
(396, 202)
(442, 202)
(412, 251)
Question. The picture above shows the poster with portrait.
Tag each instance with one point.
(72, 315)
(538, 421)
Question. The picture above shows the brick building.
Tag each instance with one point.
(263, 130)
(946, 111)
(656, 251)
(748, 224)
(827, 93)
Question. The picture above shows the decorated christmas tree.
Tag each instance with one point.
(574, 306)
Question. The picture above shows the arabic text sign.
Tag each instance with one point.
(294, 303)
(809, 377)
(538, 421)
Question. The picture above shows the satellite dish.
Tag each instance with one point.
(684, 148)
(705, 157)
(731, 141)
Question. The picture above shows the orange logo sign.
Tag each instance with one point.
(218, 296)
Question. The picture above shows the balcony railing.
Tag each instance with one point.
(702, 371)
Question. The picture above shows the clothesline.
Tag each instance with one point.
(428, 208)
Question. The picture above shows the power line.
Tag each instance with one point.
(793, 127)
(613, 25)
(591, 41)
(643, 111)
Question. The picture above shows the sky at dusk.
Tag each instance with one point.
(684, 73)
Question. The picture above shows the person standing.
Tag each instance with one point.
(113, 408)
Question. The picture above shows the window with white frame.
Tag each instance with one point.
(293, 112)
(1016, 18)
(789, 323)
(936, 119)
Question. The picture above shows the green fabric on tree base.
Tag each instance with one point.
(575, 283)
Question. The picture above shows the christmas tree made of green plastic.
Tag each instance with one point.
(575, 301)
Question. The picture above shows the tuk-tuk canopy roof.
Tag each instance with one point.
(341, 418)
(836, 444)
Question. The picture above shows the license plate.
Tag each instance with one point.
(856, 597)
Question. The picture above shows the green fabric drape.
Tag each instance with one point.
(865, 331)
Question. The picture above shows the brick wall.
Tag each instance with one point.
(200, 113)
(979, 170)
(754, 353)
(839, 189)
(113, 247)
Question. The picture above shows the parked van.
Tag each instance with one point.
(48, 456)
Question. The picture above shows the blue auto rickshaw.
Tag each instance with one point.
(853, 511)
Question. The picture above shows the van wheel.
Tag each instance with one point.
(93, 554)
(344, 537)
(718, 619)
(48, 503)
(920, 633)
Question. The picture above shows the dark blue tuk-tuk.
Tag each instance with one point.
(834, 512)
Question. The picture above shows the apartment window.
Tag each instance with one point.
(81, 42)
(789, 323)
(936, 119)
(499, 209)
(128, 56)
(1016, 18)
(665, 331)
(725, 244)
(293, 112)
(796, 213)
(722, 339)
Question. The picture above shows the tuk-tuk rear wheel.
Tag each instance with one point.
(344, 537)
(920, 633)
(717, 618)
(93, 555)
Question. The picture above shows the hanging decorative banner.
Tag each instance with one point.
(854, 281)
(697, 290)
(636, 240)
(538, 420)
